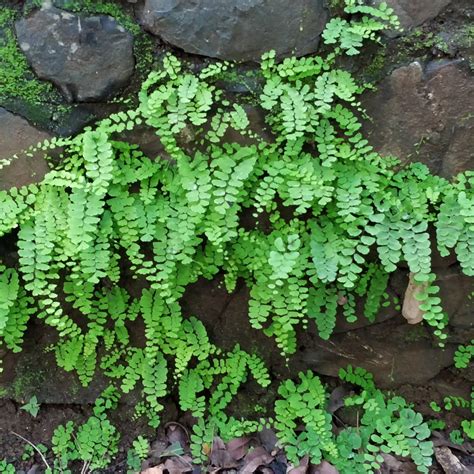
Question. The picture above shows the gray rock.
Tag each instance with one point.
(413, 13)
(87, 58)
(424, 114)
(16, 134)
(237, 29)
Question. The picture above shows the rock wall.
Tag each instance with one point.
(422, 109)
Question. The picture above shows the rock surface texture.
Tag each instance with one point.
(413, 13)
(237, 29)
(16, 134)
(425, 114)
(87, 58)
(407, 356)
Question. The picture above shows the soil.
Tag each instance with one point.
(39, 430)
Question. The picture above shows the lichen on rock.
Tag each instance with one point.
(87, 58)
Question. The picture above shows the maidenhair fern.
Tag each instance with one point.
(386, 425)
(94, 443)
(369, 20)
(306, 403)
(463, 355)
(312, 220)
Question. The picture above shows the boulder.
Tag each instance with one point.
(395, 352)
(424, 114)
(87, 58)
(414, 13)
(16, 134)
(237, 29)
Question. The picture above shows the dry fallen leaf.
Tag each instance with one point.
(440, 439)
(158, 448)
(238, 447)
(323, 468)
(268, 438)
(174, 465)
(178, 465)
(254, 459)
(302, 468)
(153, 470)
(336, 400)
(177, 433)
(391, 463)
(411, 306)
(220, 456)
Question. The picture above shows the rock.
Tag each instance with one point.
(395, 352)
(449, 462)
(457, 299)
(224, 315)
(457, 296)
(384, 314)
(237, 29)
(147, 139)
(413, 13)
(395, 465)
(227, 322)
(25, 374)
(16, 134)
(424, 114)
(87, 58)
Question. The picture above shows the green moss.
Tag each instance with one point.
(417, 333)
(375, 68)
(249, 405)
(467, 36)
(16, 78)
(465, 41)
(26, 384)
(421, 39)
(336, 4)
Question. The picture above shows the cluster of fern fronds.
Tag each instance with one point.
(331, 221)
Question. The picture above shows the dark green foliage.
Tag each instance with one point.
(179, 219)
(332, 220)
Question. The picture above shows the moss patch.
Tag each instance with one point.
(16, 77)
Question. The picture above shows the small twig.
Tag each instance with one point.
(85, 467)
(35, 448)
(175, 423)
